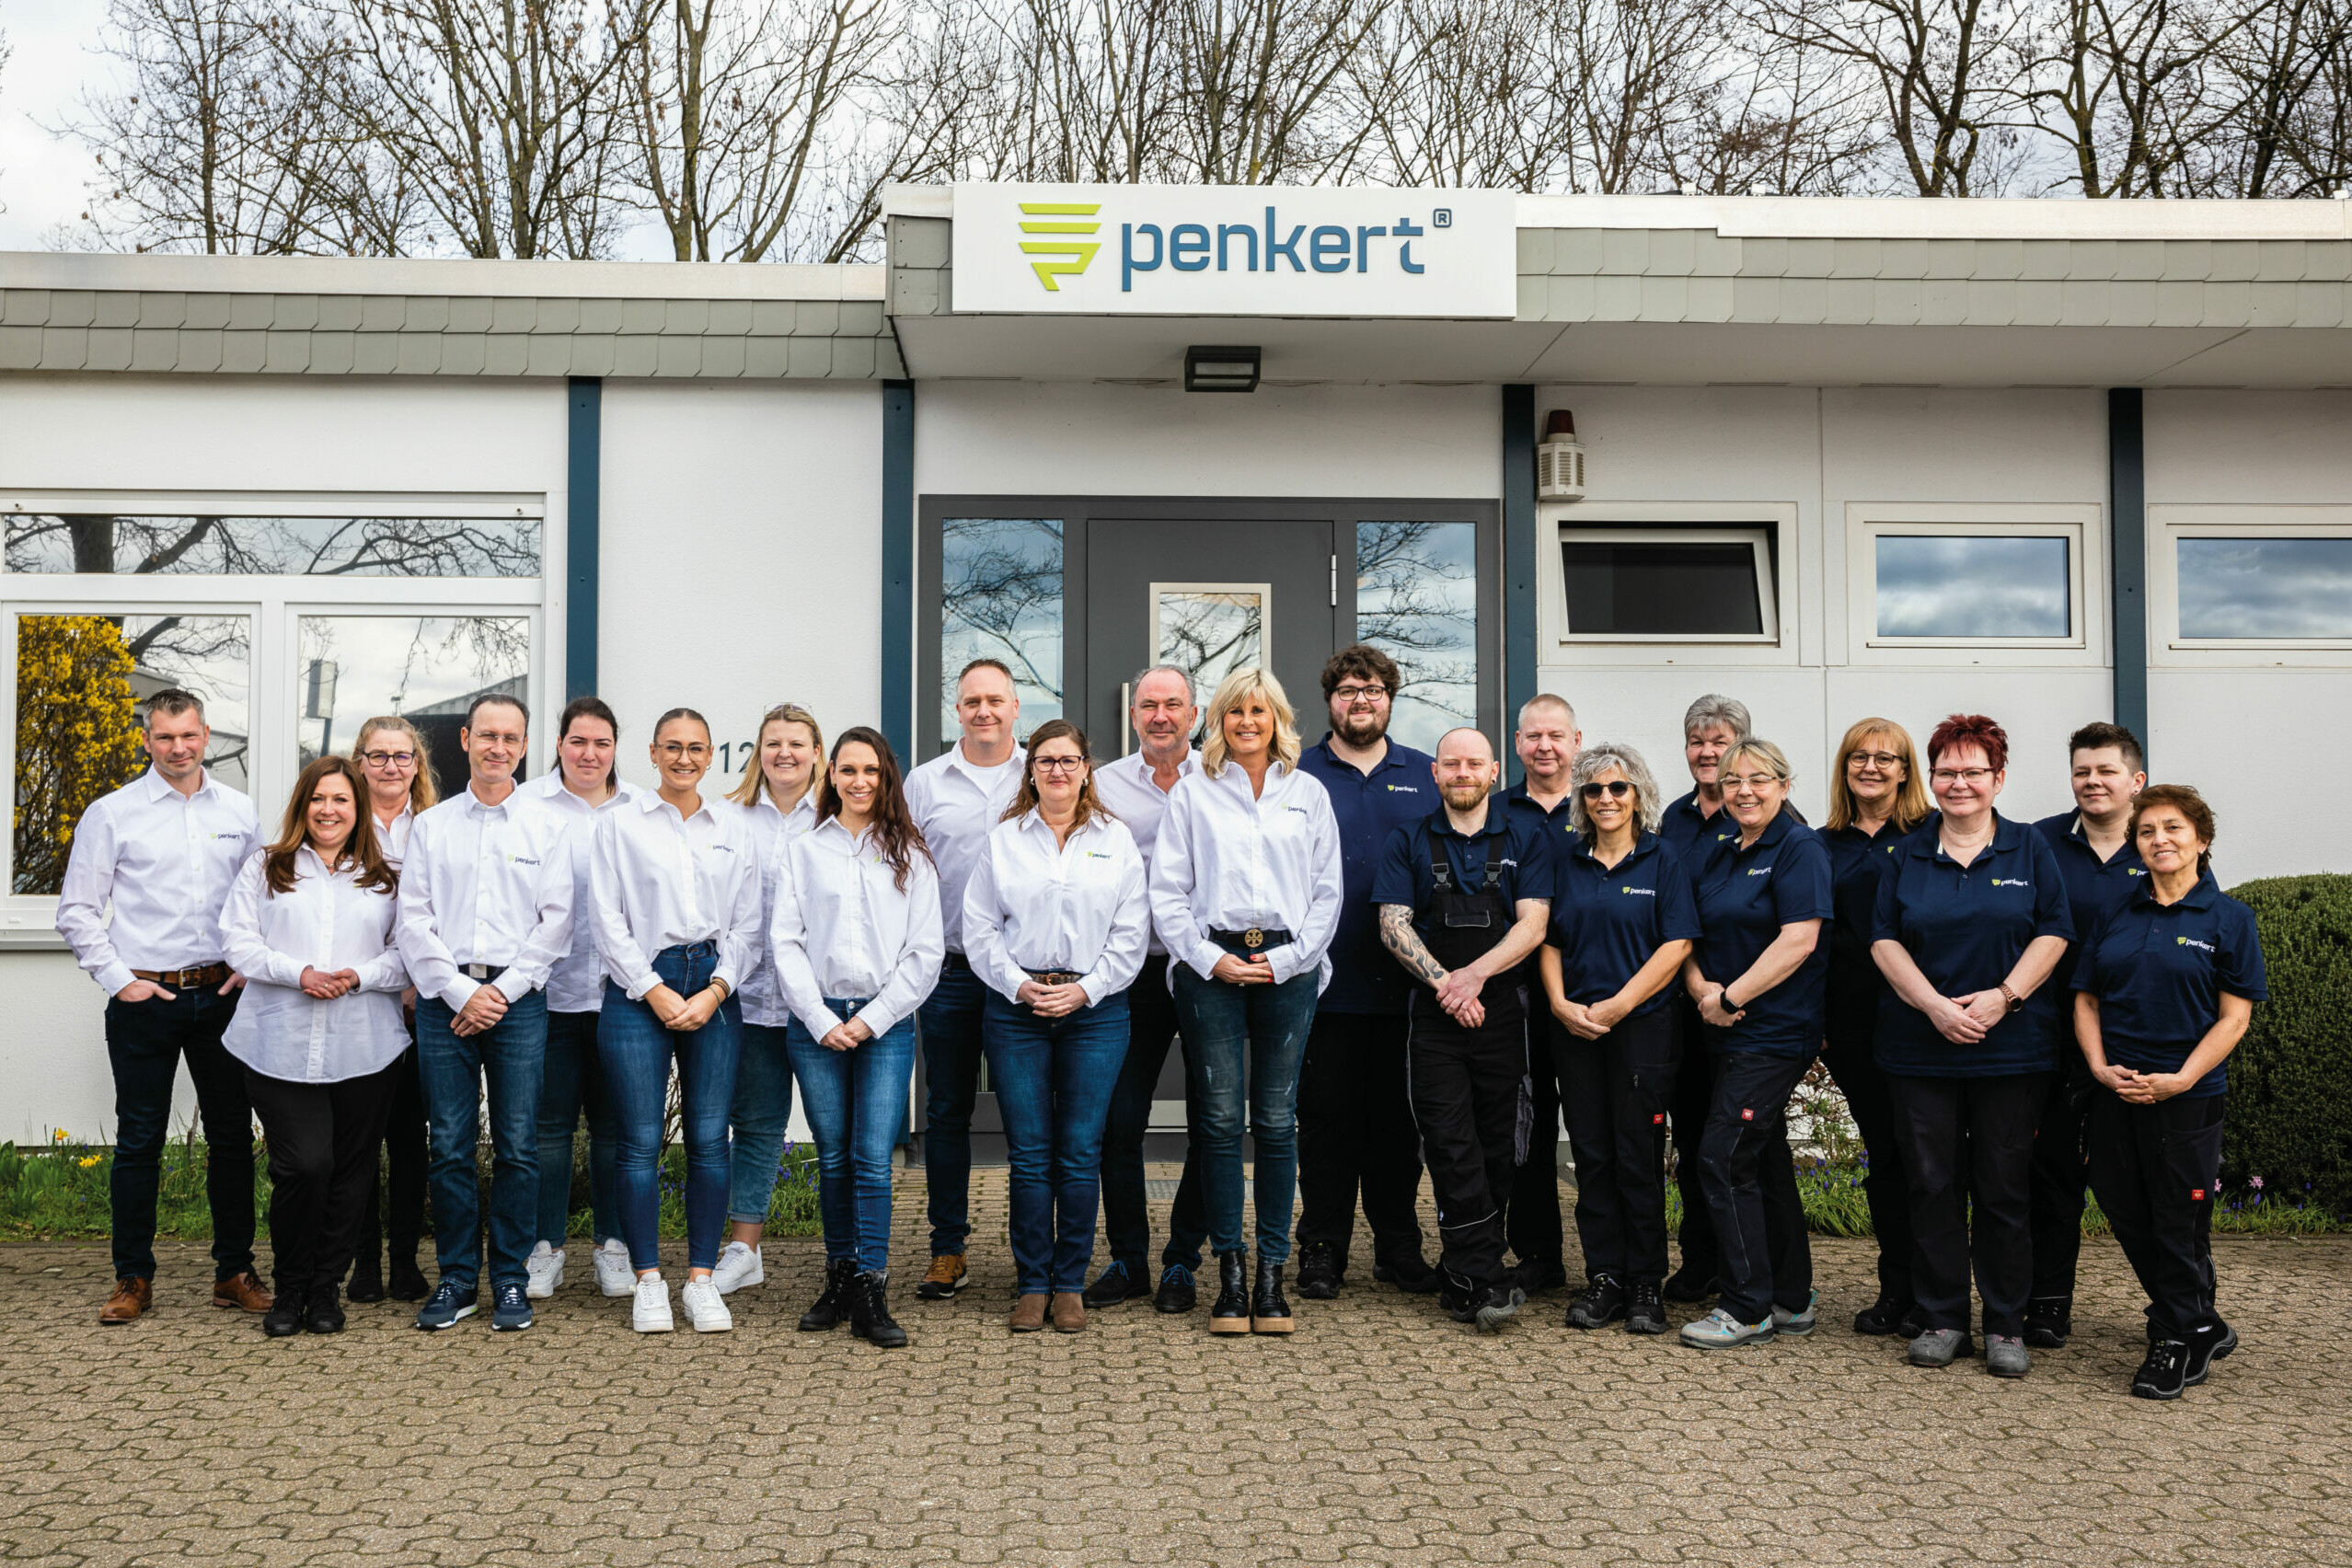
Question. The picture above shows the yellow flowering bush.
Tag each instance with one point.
(77, 735)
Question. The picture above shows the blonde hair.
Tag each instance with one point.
(1911, 806)
(1771, 756)
(1231, 694)
(425, 789)
(755, 784)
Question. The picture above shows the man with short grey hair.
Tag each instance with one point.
(1547, 743)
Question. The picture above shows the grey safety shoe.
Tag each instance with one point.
(1720, 1330)
(2005, 1356)
(1940, 1347)
(1798, 1323)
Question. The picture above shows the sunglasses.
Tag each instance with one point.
(1618, 789)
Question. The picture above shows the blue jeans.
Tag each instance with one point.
(1054, 1079)
(636, 1050)
(949, 1018)
(857, 1106)
(762, 1113)
(574, 1081)
(451, 1069)
(144, 1043)
(1245, 1044)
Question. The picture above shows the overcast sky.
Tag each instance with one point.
(41, 177)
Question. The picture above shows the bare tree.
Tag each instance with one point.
(1254, 75)
(2285, 65)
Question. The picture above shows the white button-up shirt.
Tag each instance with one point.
(772, 833)
(326, 922)
(1226, 862)
(392, 837)
(488, 885)
(576, 984)
(659, 880)
(1079, 907)
(844, 930)
(1134, 797)
(957, 805)
(166, 862)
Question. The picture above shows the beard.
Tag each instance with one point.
(1463, 796)
(1361, 728)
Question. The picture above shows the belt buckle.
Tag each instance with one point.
(1254, 938)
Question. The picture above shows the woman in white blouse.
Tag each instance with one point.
(1245, 894)
(674, 886)
(859, 938)
(308, 923)
(1056, 925)
(777, 799)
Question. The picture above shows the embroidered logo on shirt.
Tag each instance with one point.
(1639, 892)
(2135, 871)
(2192, 941)
(521, 860)
(1758, 871)
(2010, 882)
(1096, 855)
(1402, 788)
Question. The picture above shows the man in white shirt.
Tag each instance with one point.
(1135, 789)
(164, 849)
(956, 798)
(485, 911)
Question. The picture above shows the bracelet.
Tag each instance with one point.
(2012, 998)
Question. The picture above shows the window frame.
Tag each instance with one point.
(2082, 524)
(2170, 522)
(1780, 568)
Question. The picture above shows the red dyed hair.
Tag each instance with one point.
(1960, 729)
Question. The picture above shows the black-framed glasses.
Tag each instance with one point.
(1947, 777)
(1057, 764)
(388, 759)
(1880, 760)
(1361, 693)
(1618, 789)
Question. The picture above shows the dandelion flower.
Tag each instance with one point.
(93, 1159)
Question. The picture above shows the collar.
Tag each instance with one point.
(1498, 820)
(840, 839)
(2201, 896)
(1139, 765)
(1237, 778)
(651, 801)
(976, 771)
(407, 809)
(2126, 854)
(159, 785)
(804, 806)
(1389, 759)
(474, 803)
(1520, 795)
(1581, 846)
(1032, 820)
(1774, 831)
(1689, 804)
(2008, 836)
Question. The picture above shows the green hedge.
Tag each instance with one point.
(2290, 1080)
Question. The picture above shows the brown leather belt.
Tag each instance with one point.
(186, 979)
(1054, 977)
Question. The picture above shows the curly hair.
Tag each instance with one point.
(1598, 759)
(1966, 729)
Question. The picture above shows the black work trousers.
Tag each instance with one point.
(2153, 1168)
(2060, 1175)
(1885, 1187)
(322, 1139)
(1127, 1221)
(1356, 1135)
(1531, 1223)
(1694, 1099)
(1764, 1254)
(1617, 1089)
(1968, 1147)
(1470, 1102)
(396, 1194)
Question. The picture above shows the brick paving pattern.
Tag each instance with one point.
(1379, 1434)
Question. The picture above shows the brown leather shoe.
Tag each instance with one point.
(243, 1293)
(943, 1279)
(131, 1297)
(1027, 1314)
(1069, 1312)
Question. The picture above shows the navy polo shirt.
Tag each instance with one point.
(1965, 927)
(1608, 921)
(1404, 877)
(1399, 790)
(2094, 890)
(1855, 984)
(1692, 835)
(2159, 971)
(1745, 896)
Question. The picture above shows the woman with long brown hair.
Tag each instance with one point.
(309, 924)
(859, 941)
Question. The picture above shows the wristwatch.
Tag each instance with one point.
(2012, 998)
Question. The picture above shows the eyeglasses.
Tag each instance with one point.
(1361, 693)
(696, 750)
(1880, 760)
(1617, 790)
(1970, 776)
(1752, 781)
(389, 759)
(1057, 764)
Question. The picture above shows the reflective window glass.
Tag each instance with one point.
(1416, 600)
(426, 669)
(2266, 587)
(1209, 631)
(1000, 580)
(312, 547)
(1662, 587)
(1971, 585)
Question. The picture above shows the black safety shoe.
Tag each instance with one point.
(1457, 1299)
(1319, 1268)
(2048, 1321)
(1686, 1283)
(1176, 1293)
(1115, 1285)
(2165, 1372)
(1495, 1304)
(1537, 1275)
(1888, 1316)
(1229, 1313)
(1408, 1274)
(1644, 1313)
(2206, 1346)
(367, 1279)
(869, 1318)
(1604, 1302)
(323, 1314)
(831, 1309)
(283, 1319)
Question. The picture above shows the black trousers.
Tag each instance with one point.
(1694, 1099)
(2060, 1175)
(1470, 1102)
(1357, 1134)
(1885, 1185)
(1968, 1147)
(322, 1140)
(406, 1156)
(145, 1044)
(1764, 1255)
(1531, 1223)
(1127, 1223)
(1617, 1089)
(2153, 1168)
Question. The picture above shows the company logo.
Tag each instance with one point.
(521, 860)
(2192, 941)
(1640, 892)
(1401, 788)
(1330, 248)
(1065, 256)
(1760, 870)
(2135, 871)
(2010, 882)
(1096, 855)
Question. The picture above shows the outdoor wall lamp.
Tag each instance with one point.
(1221, 369)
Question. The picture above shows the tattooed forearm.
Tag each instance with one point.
(1399, 937)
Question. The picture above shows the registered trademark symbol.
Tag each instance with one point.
(1442, 218)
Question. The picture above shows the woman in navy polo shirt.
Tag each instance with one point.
(2164, 992)
(1759, 974)
(1972, 918)
(1622, 921)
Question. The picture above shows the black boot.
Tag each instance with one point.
(1646, 1313)
(367, 1276)
(2206, 1346)
(2164, 1373)
(1319, 1268)
(1888, 1316)
(2048, 1319)
(832, 1308)
(1269, 1313)
(869, 1318)
(407, 1280)
(1603, 1303)
(1229, 1313)
(283, 1319)
(324, 1314)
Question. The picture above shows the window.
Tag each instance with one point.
(1952, 586)
(2245, 585)
(1416, 600)
(1696, 584)
(428, 669)
(1001, 598)
(1210, 629)
(1990, 583)
(315, 546)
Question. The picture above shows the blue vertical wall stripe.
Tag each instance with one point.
(898, 568)
(2128, 555)
(1518, 554)
(583, 473)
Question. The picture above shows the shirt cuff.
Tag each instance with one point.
(113, 977)
(642, 983)
(460, 991)
(1286, 962)
(825, 1023)
(1204, 956)
(510, 985)
(879, 1019)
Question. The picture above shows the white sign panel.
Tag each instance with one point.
(1234, 250)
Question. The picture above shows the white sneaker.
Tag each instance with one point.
(738, 1266)
(649, 1313)
(545, 1269)
(613, 1277)
(705, 1309)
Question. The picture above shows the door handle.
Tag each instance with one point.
(1126, 730)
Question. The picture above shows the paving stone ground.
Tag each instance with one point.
(1379, 1434)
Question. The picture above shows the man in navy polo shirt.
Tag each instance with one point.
(1546, 743)
(1355, 1119)
(1464, 897)
(2101, 871)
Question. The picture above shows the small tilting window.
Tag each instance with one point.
(1668, 584)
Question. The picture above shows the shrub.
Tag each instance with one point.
(2290, 1080)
